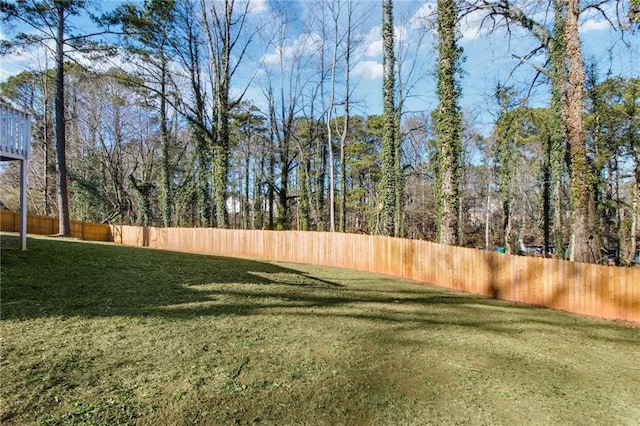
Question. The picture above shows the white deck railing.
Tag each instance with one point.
(15, 143)
(15, 133)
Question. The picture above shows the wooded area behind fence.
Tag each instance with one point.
(603, 291)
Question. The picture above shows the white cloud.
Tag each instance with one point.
(11, 65)
(368, 69)
(594, 20)
(258, 6)
(593, 25)
(374, 49)
(34, 58)
(424, 16)
(425, 20)
(373, 42)
(471, 26)
(400, 33)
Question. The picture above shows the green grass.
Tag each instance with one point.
(97, 334)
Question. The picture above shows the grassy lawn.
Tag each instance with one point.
(97, 334)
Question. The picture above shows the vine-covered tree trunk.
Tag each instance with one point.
(448, 124)
(319, 178)
(203, 165)
(558, 141)
(388, 131)
(221, 173)
(304, 191)
(199, 125)
(221, 149)
(585, 237)
(633, 113)
(546, 196)
(398, 173)
(507, 154)
(167, 196)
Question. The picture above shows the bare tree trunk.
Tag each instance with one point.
(546, 197)
(487, 214)
(332, 185)
(62, 192)
(345, 125)
(46, 132)
(332, 104)
(320, 181)
(246, 205)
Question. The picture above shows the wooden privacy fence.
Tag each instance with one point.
(43, 225)
(597, 290)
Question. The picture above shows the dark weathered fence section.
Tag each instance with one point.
(597, 290)
(43, 225)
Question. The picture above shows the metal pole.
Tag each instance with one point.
(26, 139)
(23, 203)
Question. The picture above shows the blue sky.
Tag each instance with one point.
(488, 57)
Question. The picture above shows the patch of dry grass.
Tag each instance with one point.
(97, 334)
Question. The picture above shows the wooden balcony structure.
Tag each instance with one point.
(15, 145)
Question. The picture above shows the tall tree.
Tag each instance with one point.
(343, 43)
(344, 132)
(567, 78)
(411, 71)
(389, 132)
(506, 127)
(585, 236)
(51, 21)
(448, 124)
(334, 9)
(287, 75)
(247, 131)
(226, 27)
(147, 32)
(556, 147)
(191, 53)
(611, 127)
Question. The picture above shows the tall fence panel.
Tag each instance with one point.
(596, 290)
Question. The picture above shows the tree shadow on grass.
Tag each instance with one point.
(70, 278)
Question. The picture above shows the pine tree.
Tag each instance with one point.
(51, 20)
